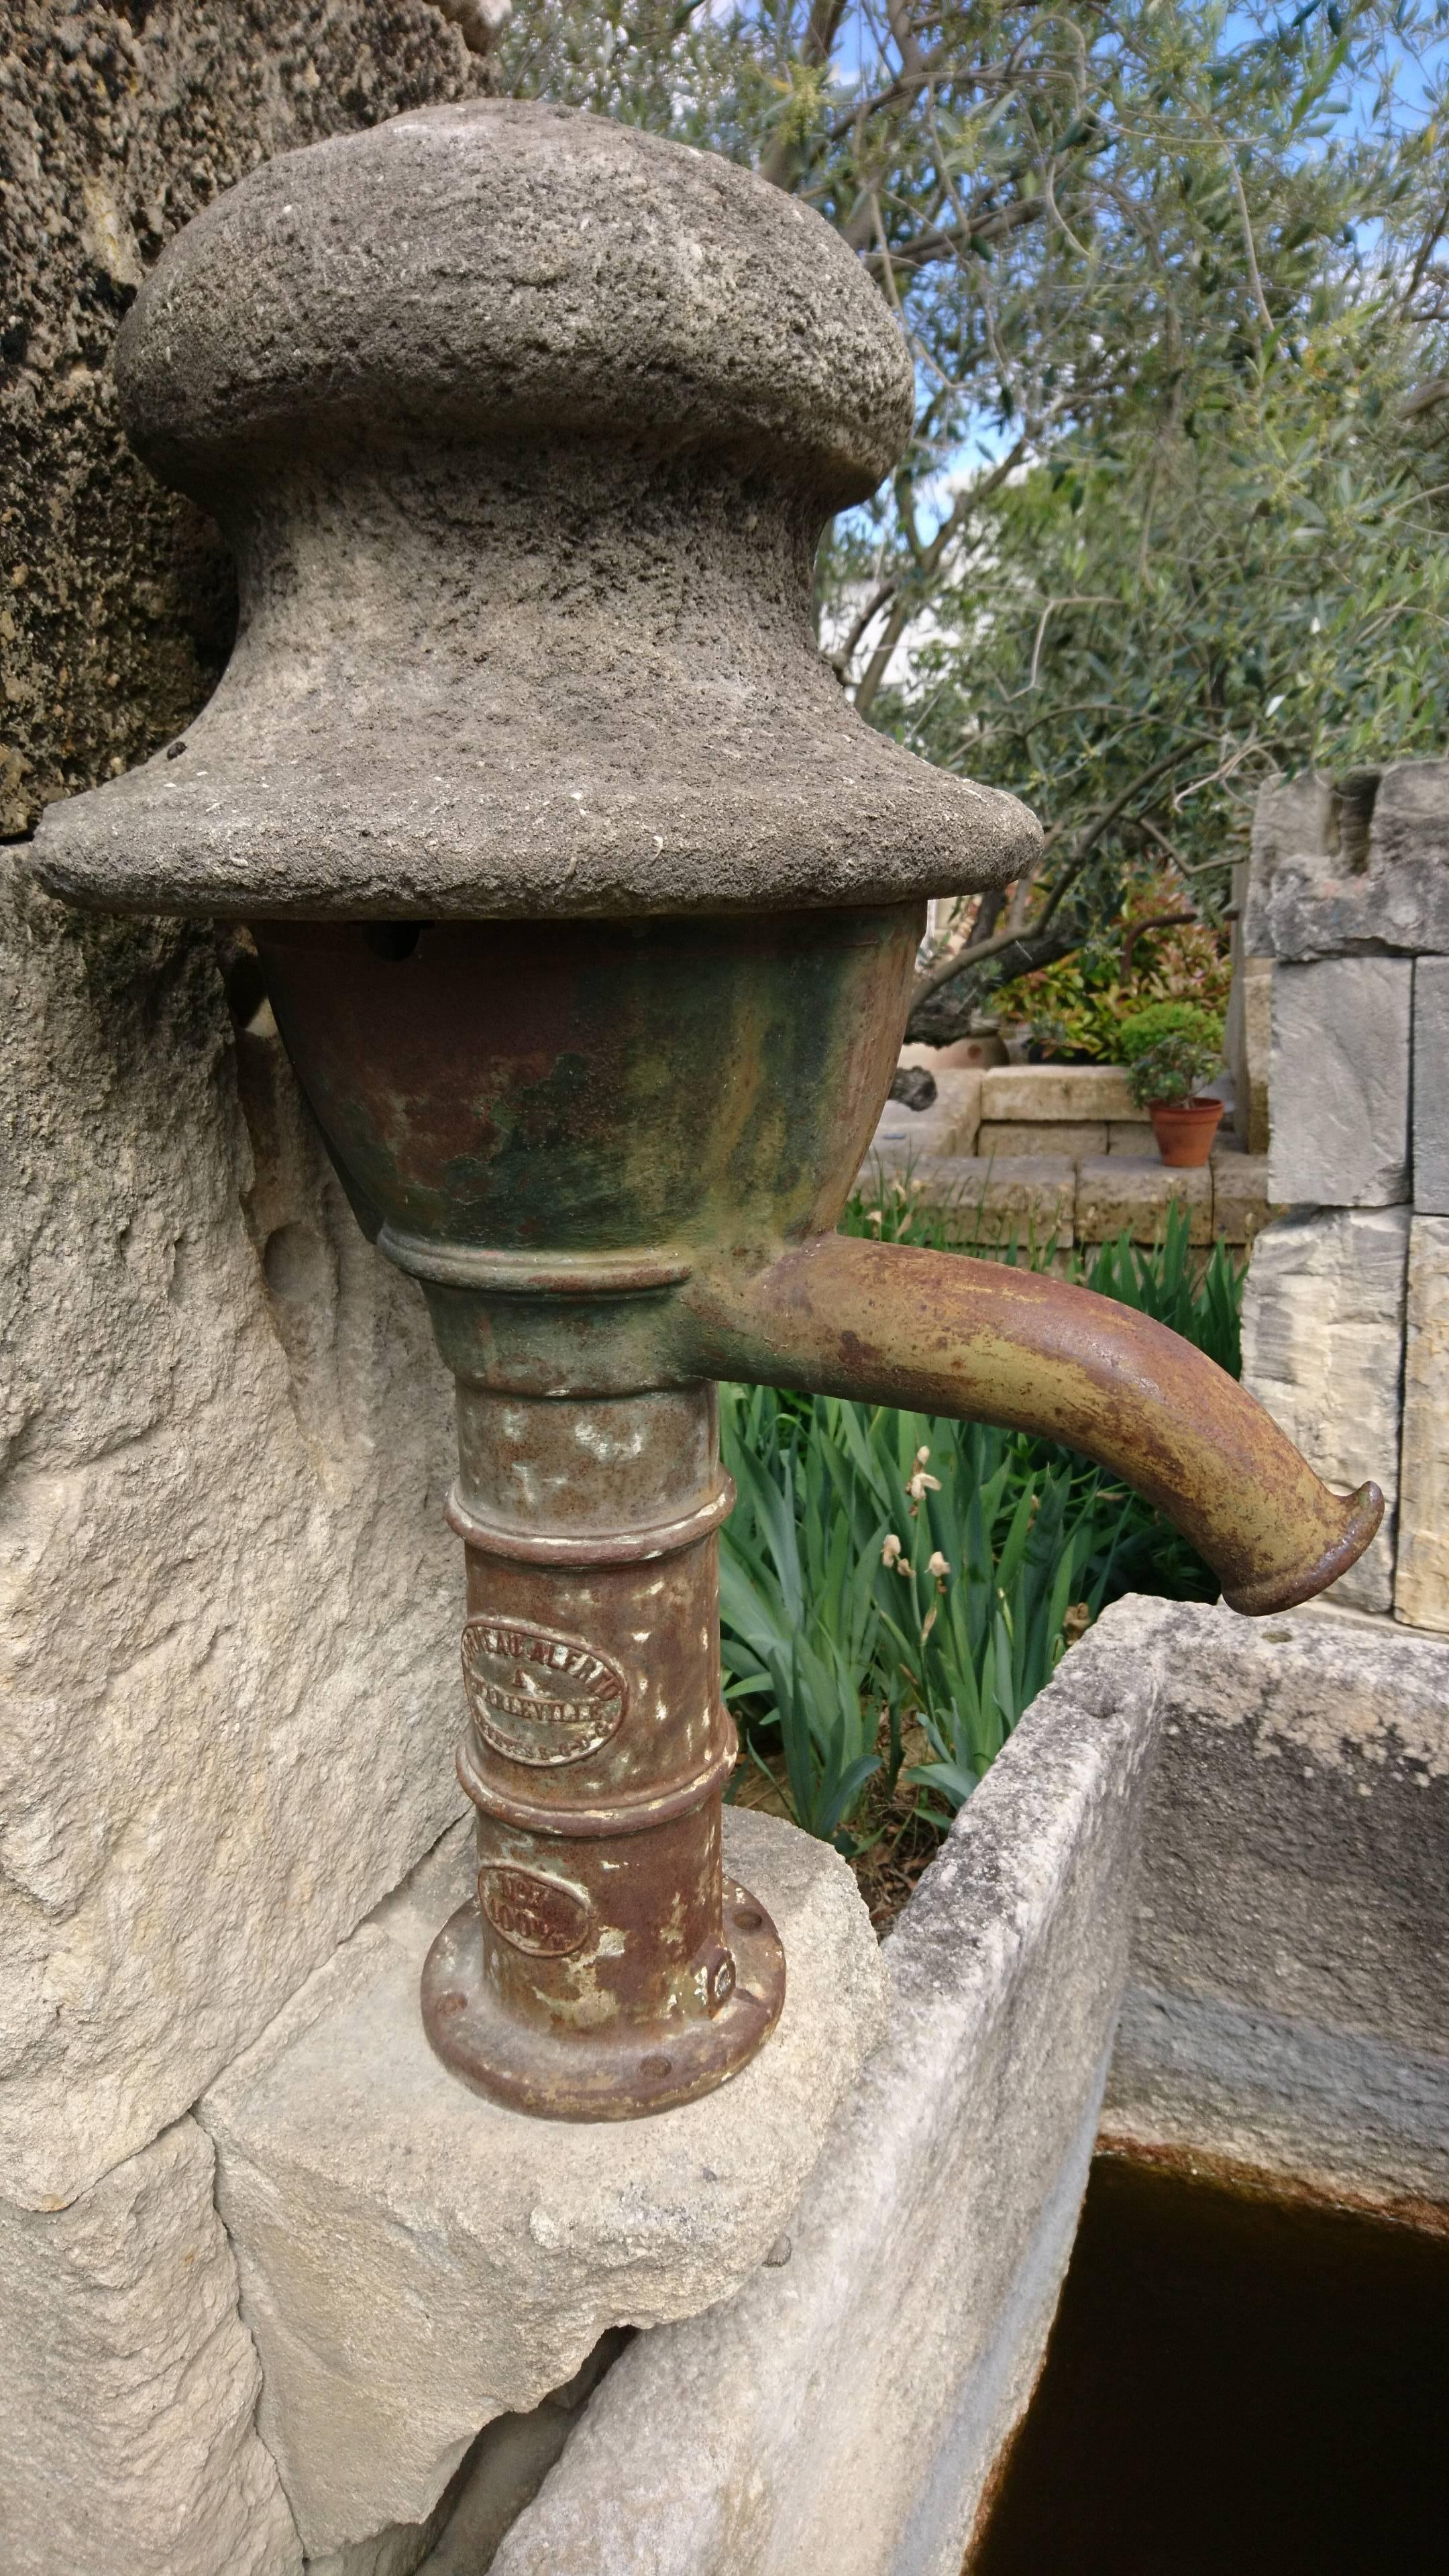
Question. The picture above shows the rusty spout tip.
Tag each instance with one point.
(1264, 1593)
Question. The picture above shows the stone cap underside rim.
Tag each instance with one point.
(439, 849)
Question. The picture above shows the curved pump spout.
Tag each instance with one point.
(942, 1333)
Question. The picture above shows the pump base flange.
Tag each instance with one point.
(600, 2074)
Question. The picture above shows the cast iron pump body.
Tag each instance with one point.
(588, 911)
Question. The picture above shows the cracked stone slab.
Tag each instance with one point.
(416, 2260)
(1337, 874)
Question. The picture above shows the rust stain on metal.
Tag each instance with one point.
(601, 1975)
(539, 1697)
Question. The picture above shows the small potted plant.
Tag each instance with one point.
(1171, 1049)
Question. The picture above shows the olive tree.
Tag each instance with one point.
(1175, 287)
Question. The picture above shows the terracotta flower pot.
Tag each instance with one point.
(1185, 1130)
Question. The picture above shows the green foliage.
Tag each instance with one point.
(1145, 1029)
(1074, 1008)
(1175, 285)
(881, 1566)
(883, 1571)
(800, 1624)
(1173, 1072)
(1172, 1048)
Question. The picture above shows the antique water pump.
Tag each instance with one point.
(588, 911)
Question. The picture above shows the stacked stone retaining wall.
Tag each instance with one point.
(1346, 1319)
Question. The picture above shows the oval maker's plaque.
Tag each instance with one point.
(544, 1916)
(539, 1697)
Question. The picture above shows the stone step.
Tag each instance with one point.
(1043, 1198)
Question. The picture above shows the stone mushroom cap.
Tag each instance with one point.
(524, 427)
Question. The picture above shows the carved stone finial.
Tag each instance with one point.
(524, 427)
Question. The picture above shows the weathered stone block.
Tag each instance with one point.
(500, 2474)
(127, 2445)
(1421, 1577)
(1130, 1136)
(1431, 1086)
(1323, 1321)
(1241, 1205)
(1287, 2008)
(988, 1047)
(1291, 822)
(1410, 816)
(1054, 1091)
(415, 2260)
(1340, 1082)
(956, 1113)
(228, 1604)
(844, 2410)
(508, 2464)
(1368, 872)
(995, 1199)
(1068, 1138)
(1134, 1191)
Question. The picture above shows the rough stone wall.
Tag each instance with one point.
(228, 1604)
(116, 126)
(229, 1600)
(1348, 912)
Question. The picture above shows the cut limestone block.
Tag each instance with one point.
(1421, 1578)
(1067, 1137)
(1292, 821)
(1241, 1205)
(1323, 1322)
(415, 2260)
(1117, 1191)
(1431, 1086)
(1287, 2010)
(1409, 823)
(961, 1054)
(995, 1199)
(229, 1606)
(842, 2414)
(1340, 1082)
(127, 2446)
(957, 1110)
(1056, 1091)
(1130, 1136)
